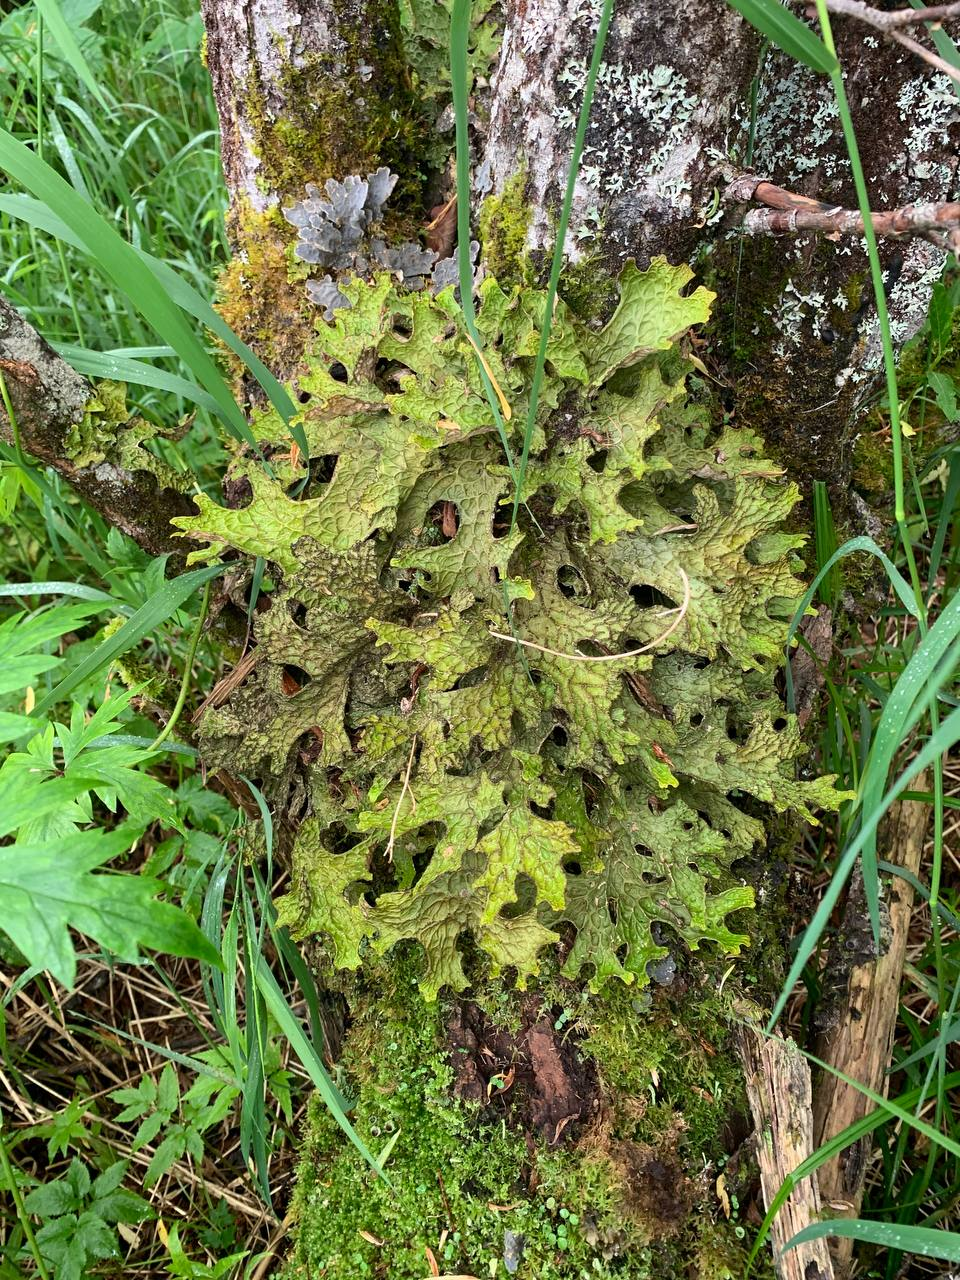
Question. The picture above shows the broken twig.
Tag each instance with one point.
(889, 24)
(788, 213)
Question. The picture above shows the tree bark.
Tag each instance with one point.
(797, 329)
(48, 397)
(862, 1012)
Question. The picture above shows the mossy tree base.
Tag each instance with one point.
(627, 1190)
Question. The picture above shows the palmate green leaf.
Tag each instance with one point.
(24, 636)
(47, 889)
(787, 32)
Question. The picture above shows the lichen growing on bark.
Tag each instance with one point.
(259, 294)
(451, 773)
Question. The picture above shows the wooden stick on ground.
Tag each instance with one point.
(859, 1039)
(779, 1091)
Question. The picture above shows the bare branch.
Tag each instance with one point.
(888, 23)
(882, 20)
(932, 59)
(48, 398)
(789, 214)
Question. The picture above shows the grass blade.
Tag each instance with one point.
(787, 32)
(39, 214)
(891, 1235)
(556, 265)
(825, 540)
(141, 624)
(60, 29)
(138, 373)
(460, 76)
(310, 1060)
(946, 735)
(127, 270)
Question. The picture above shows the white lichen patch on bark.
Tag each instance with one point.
(907, 121)
(660, 121)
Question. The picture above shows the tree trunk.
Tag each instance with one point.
(797, 329)
(552, 1133)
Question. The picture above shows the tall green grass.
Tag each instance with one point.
(894, 699)
(144, 152)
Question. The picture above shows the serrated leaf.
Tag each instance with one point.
(49, 888)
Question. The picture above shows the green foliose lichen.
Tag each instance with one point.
(108, 433)
(515, 722)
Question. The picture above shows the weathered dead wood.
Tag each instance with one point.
(791, 214)
(779, 1092)
(48, 398)
(859, 1038)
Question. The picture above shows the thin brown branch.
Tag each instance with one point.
(48, 398)
(888, 24)
(881, 20)
(790, 214)
(932, 59)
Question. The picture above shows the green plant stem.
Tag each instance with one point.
(10, 1174)
(14, 425)
(187, 671)
(558, 250)
(876, 275)
(459, 74)
(38, 88)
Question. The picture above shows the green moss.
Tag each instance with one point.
(872, 463)
(94, 437)
(588, 288)
(260, 294)
(343, 113)
(461, 1180)
(137, 672)
(504, 220)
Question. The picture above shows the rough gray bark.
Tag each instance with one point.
(48, 397)
(796, 321)
(673, 82)
(297, 83)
